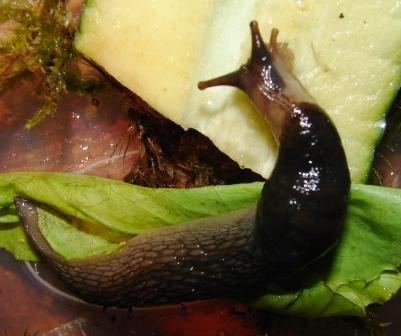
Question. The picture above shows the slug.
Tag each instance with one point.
(298, 218)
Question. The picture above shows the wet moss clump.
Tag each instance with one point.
(36, 38)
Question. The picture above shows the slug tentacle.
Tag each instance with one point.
(298, 218)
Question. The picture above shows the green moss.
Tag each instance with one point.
(36, 38)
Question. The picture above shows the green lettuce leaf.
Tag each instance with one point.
(109, 206)
(85, 215)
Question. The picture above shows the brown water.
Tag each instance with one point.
(27, 304)
(84, 130)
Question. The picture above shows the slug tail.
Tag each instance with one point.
(28, 214)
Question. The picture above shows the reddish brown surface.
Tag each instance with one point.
(84, 130)
(27, 306)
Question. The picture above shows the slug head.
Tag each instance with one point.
(258, 73)
(261, 78)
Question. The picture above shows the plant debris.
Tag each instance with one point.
(169, 156)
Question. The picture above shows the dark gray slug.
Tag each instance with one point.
(298, 218)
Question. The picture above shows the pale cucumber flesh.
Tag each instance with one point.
(347, 55)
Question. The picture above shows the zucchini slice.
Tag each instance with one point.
(347, 55)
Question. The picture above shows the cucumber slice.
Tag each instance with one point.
(347, 55)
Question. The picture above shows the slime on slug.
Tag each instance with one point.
(298, 218)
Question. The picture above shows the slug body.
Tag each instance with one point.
(298, 218)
